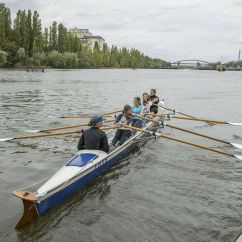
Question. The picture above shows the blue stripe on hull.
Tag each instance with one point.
(44, 205)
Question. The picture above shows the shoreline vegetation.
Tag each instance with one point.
(23, 44)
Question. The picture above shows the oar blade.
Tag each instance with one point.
(239, 146)
(235, 124)
(34, 131)
(6, 139)
(238, 157)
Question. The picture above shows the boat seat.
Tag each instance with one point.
(81, 159)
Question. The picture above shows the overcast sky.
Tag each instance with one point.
(169, 29)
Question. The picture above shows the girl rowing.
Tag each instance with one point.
(122, 134)
(146, 103)
(137, 109)
(155, 101)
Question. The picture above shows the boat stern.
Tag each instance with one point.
(30, 211)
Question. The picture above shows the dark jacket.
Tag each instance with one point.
(121, 119)
(93, 139)
(154, 108)
(154, 97)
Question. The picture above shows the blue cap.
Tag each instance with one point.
(96, 119)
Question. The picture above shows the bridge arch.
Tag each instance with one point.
(189, 61)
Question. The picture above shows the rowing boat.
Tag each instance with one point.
(237, 237)
(76, 173)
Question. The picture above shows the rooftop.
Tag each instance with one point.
(93, 37)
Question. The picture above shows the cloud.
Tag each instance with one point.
(175, 29)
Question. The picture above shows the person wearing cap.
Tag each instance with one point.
(94, 138)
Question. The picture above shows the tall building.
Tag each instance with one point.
(88, 39)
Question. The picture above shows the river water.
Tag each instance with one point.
(166, 191)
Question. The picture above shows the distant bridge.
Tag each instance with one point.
(190, 62)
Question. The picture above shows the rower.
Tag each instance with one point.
(137, 109)
(94, 138)
(155, 100)
(146, 103)
(122, 134)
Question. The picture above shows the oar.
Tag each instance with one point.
(90, 115)
(63, 127)
(51, 134)
(197, 119)
(208, 120)
(183, 141)
(186, 115)
(239, 146)
(85, 116)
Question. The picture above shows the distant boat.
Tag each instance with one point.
(35, 70)
(237, 68)
(221, 68)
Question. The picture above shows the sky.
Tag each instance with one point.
(173, 30)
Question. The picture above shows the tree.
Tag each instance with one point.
(37, 34)
(46, 40)
(54, 59)
(17, 32)
(38, 59)
(24, 34)
(29, 33)
(3, 58)
(26, 44)
(96, 46)
(53, 36)
(21, 55)
(5, 23)
(62, 38)
(105, 48)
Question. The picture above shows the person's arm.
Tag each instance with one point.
(118, 118)
(142, 111)
(104, 143)
(155, 101)
(81, 143)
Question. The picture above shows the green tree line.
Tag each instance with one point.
(23, 43)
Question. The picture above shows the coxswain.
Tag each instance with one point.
(94, 138)
(137, 109)
(122, 134)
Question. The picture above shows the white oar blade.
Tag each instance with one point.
(235, 124)
(238, 157)
(33, 131)
(6, 139)
(239, 146)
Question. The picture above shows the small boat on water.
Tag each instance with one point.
(221, 68)
(77, 172)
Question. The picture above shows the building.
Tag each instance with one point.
(88, 39)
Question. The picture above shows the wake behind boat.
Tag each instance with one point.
(77, 172)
